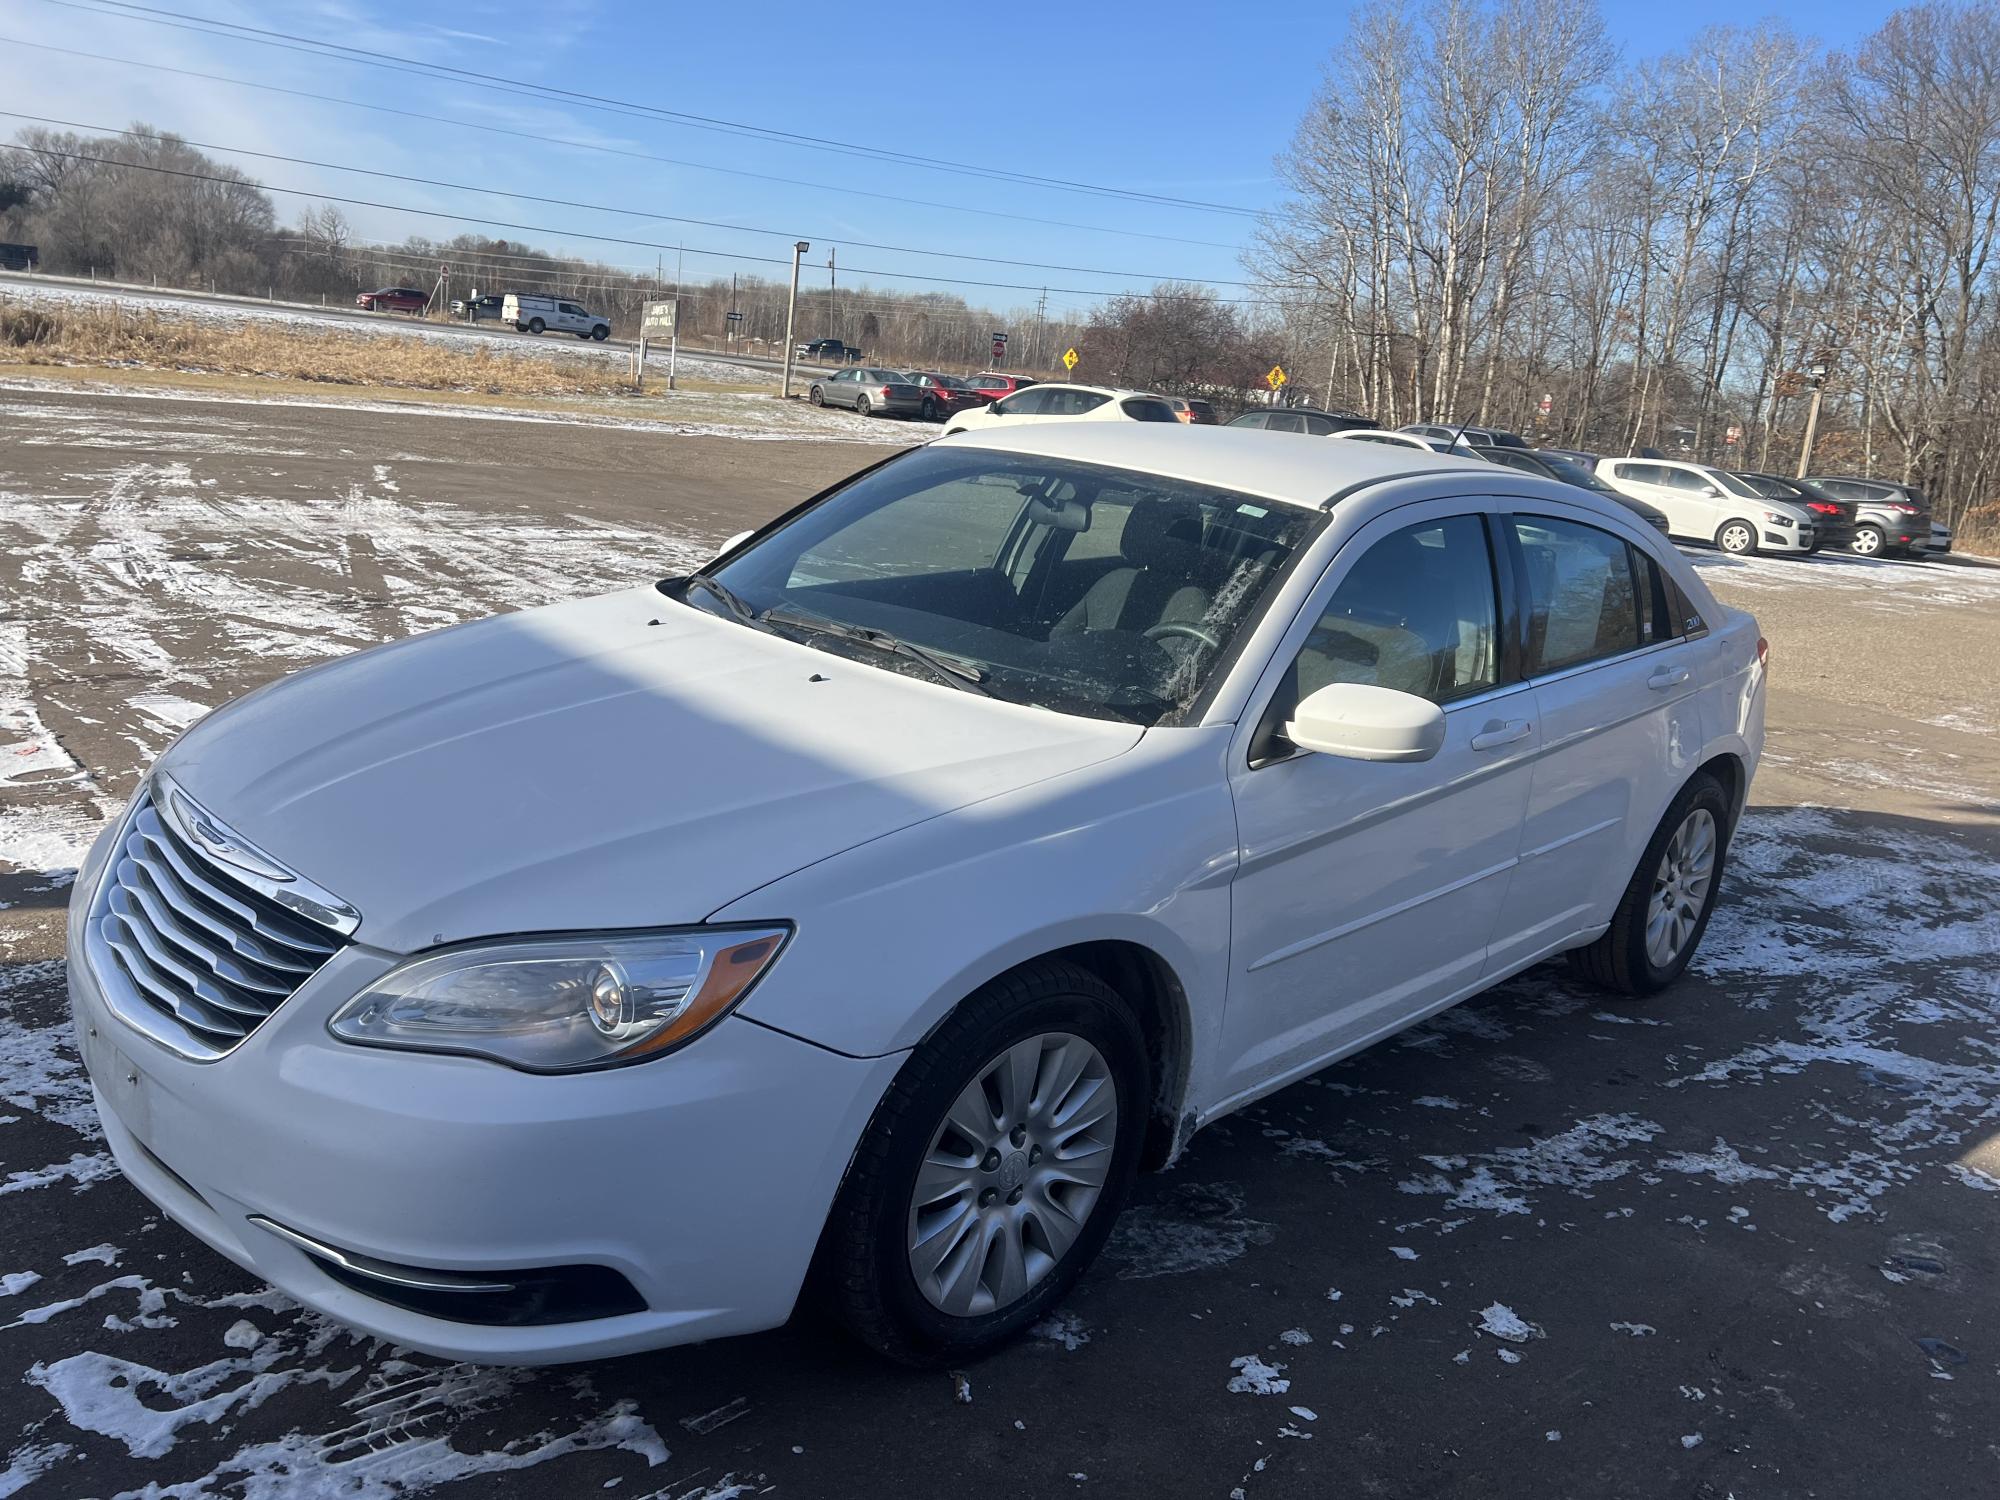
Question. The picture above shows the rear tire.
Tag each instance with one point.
(861, 407)
(881, 1225)
(930, 410)
(1627, 958)
(536, 325)
(1738, 538)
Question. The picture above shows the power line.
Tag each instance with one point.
(597, 146)
(291, 42)
(606, 208)
(579, 234)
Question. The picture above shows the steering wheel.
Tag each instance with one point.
(1187, 628)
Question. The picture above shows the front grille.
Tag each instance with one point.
(197, 949)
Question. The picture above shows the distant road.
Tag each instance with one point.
(333, 313)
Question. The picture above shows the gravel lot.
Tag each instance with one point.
(1737, 1241)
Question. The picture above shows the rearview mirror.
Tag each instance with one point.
(731, 545)
(1361, 722)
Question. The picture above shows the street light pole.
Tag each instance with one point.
(791, 313)
(1812, 420)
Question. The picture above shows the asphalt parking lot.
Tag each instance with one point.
(1734, 1241)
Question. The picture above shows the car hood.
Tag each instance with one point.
(626, 761)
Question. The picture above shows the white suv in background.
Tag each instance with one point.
(1710, 505)
(1065, 403)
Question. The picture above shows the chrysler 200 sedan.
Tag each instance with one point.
(856, 916)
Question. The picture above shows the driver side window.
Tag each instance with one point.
(1417, 612)
(1023, 404)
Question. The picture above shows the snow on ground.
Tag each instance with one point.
(390, 325)
(1890, 585)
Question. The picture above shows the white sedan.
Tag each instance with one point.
(888, 894)
(1050, 402)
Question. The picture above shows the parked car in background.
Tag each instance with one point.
(15, 257)
(1888, 517)
(537, 314)
(829, 351)
(479, 309)
(1940, 538)
(1401, 439)
(1193, 410)
(1051, 402)
(1548, 466)
(1306, 419)
(869, 392)
(944, 394)
(1572, 455)
(1712, 505)
(1478, 437)
(887, 893)
(1833, 520)
(993, 385)
(404, 299)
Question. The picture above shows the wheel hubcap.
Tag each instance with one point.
(1680, 887)
(1736, 539)
(1866, 542)
(1012, 1174)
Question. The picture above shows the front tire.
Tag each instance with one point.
(1660, 919)
(993, 1169)
(600, 333)
(1738, 538)
(815, 397)
(1868, 541)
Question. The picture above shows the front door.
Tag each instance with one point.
(1367, 891)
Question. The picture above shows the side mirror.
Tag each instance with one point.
(730, 546)
(1361, 722)
(1711, 492)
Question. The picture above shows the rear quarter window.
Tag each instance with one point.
(1141, 409)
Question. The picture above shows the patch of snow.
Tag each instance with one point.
(1503, 1322)
(1402, 1252)
(15, 1282)
(1191, 1227)
(1636, 1330)
(1295, 1337)
(103, 1255)
(1062, 1327)
(1255, 1378)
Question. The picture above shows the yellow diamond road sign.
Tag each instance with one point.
(1069, 359)
(1276, 378)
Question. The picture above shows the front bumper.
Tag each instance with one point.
(701, 1178)
(1786, 539)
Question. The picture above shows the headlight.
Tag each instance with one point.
(560, 1004)
(1780, 520)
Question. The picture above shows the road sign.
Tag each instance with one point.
(1070, 357)
(658, 322)
(1733, 436)
(1546, 405)
(999, 338)
(999, 350)
(734, 317)
(1276, 378)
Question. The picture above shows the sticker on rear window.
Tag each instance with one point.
(1251, 510)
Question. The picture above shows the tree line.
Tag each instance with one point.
(1491, 214)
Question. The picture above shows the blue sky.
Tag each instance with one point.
(1184, 100)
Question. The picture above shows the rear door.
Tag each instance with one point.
(1367, 891)
(1614, 695)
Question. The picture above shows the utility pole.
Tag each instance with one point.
(833, 297)
(1818, 373)
(791, 314)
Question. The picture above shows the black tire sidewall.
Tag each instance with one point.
(1106, 1025)
(1702, 791)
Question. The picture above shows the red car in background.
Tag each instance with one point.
(993, 386)
(393, 299)
(945, 395)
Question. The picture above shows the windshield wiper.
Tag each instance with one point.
(730, 598)
(947, 669)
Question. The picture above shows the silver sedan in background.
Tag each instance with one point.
(867, 391)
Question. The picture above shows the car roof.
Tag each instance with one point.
(1243, 460)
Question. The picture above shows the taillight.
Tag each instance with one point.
(1823, 507)
(1763, 651)
(885, 393)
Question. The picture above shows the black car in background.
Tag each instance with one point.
(1833, 518)
(1553, 466)
(19, 257)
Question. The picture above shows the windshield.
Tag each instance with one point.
(1069, 586)
(1769, 487)
(1731, 483)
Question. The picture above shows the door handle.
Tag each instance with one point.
(1496, 734)
(1667, 677)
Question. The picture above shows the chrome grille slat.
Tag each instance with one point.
(188, 952)
(286, 930)
(176, 893)
(191, 946)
